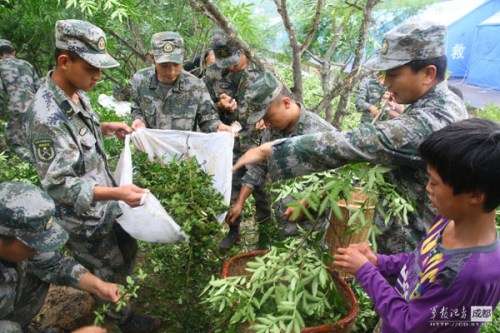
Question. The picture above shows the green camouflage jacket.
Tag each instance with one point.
(186, 106)
(67, 146)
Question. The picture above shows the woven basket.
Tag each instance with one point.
(337, 234)
(237, 266)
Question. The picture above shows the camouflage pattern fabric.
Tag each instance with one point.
(167, 46)
(226, 50)
(235, 84)
(256, 176)
(67, 145)
(185, 106)
(308, 123)
(370, 93)
(260, 94)
(18, 84)
(393, 143)
(86, 40)
(415, 39)
(218, 81)
(26, 213)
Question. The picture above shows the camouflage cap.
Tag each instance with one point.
(27, 213)
(86, 40)
(5, 42)
(411, 40)
(227, 53)
(168, 46)
(260, 94)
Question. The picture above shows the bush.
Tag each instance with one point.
(180, 272)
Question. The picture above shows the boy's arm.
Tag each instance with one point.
(391, 265)
(415, 315)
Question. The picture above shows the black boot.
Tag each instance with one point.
(232, 237)
(140, 324)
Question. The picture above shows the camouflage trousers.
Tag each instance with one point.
(262, 200)
(110, 256)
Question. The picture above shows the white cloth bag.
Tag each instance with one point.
(213, 151)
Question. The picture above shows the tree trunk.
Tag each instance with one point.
(352, 78)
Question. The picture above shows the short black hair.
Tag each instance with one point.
(6, 49)
(439, 62)
(72, 55)
(466, 155)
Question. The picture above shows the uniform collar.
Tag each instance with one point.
(63, 101)
(438, 89)
(178, 85)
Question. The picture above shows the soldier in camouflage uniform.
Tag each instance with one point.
(414, 62)
(18, 84)
(167, 97)
(66, 138)
(227, 81)
(30, 258)
(283, 118)
(199, 65)
(373, 98)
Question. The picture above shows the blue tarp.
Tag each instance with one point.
(484, 62)
(462, 37)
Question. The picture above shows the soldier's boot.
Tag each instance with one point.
(136, 323)
(232, 237)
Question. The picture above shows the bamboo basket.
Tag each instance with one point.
(237, 264)
(338, 233)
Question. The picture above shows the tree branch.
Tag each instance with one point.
(351, 79)
(353, 4)
(212, 12)
(281, 6)
(314, 26)
(127, 44)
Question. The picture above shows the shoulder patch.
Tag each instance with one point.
(44, 150)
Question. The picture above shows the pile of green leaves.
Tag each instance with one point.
(182, 270)
(286, 290)
(186, 192)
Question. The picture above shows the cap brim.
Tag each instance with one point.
(229, 61)
(380, 64)
(48, 240)
(256, 116)
(167, 58)
(100, 60)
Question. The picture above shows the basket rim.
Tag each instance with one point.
(343, 322)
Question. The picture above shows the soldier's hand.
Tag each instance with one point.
(254, 155)
(234, 213)
(374, 111)
(227, 103)
(108, 291)
(117, 128)
(260, 125)
(138, 123)
(90, 329)
(131, 194)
